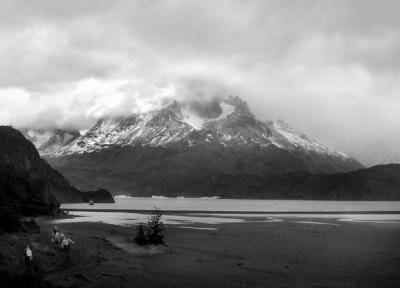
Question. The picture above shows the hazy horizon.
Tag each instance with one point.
(329, 69)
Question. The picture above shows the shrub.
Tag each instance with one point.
(152, 232)
(155, 228)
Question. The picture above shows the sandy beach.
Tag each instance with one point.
(297, 252)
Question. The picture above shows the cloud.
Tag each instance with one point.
(330, 69)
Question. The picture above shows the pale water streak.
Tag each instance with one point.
(236, 205)
(129, 219)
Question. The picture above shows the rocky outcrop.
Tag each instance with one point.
(19, 155)
(28, 184)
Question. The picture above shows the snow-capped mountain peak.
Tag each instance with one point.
(198, 122)
(227, 122)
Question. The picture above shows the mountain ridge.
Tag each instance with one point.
(227, 122)
(377, 183)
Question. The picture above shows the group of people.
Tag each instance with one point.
(57, 238)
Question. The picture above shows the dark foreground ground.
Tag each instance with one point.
(253, 254)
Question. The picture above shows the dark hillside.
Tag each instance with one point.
(29, 186)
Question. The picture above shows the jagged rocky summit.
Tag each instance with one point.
(183, 149)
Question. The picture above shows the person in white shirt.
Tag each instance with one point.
(28, 255)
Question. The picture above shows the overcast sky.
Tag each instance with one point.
(328, 68)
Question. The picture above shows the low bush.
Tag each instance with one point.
(152, 232)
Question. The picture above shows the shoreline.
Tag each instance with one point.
(166, 211)
(245, 254)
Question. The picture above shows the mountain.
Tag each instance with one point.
(227, 122)
(182, 146)
(380, 182)
(28, 185)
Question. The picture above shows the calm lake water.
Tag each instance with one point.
(239, 205)
(235, 212)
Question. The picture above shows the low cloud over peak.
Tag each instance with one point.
(328, 68)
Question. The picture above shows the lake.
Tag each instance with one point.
(239, 205)
(205, 213)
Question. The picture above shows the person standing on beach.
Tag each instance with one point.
(55, 230)
(28, 255)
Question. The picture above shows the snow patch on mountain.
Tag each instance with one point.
(227, 109)
(193, 120)
(300, 140)
(198, 122)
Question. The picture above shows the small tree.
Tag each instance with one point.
(152, 232)
(155, 228)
